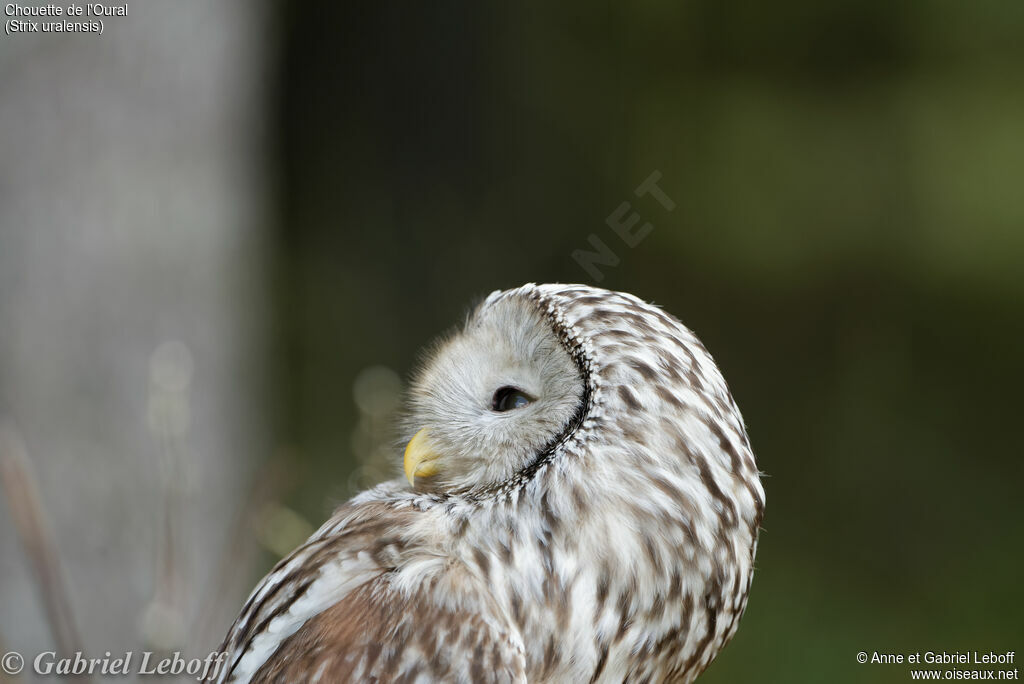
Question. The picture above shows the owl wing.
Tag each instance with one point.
(334, 610)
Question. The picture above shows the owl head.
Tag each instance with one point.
(490, 398)
(590, 381)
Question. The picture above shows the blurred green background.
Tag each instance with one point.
(848, 241)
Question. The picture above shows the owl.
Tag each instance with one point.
(580, 503)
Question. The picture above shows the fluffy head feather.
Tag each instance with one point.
(505, 344)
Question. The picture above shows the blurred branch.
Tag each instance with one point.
(271, 482)
(169, 415)
(26, 508)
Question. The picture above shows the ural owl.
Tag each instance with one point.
(581, 503)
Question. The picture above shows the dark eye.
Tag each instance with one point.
(508, 398)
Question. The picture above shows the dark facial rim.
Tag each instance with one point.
(549, 310)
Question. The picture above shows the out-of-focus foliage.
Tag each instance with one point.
(848, 240)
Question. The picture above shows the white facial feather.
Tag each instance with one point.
(505, 343)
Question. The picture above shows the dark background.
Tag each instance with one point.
(847, 242)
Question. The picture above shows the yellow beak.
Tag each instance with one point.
(420, 457)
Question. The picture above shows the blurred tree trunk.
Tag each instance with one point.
(132, 215)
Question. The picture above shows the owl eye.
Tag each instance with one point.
(508, 398)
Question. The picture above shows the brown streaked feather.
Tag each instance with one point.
(351, 531)
(376, 634)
